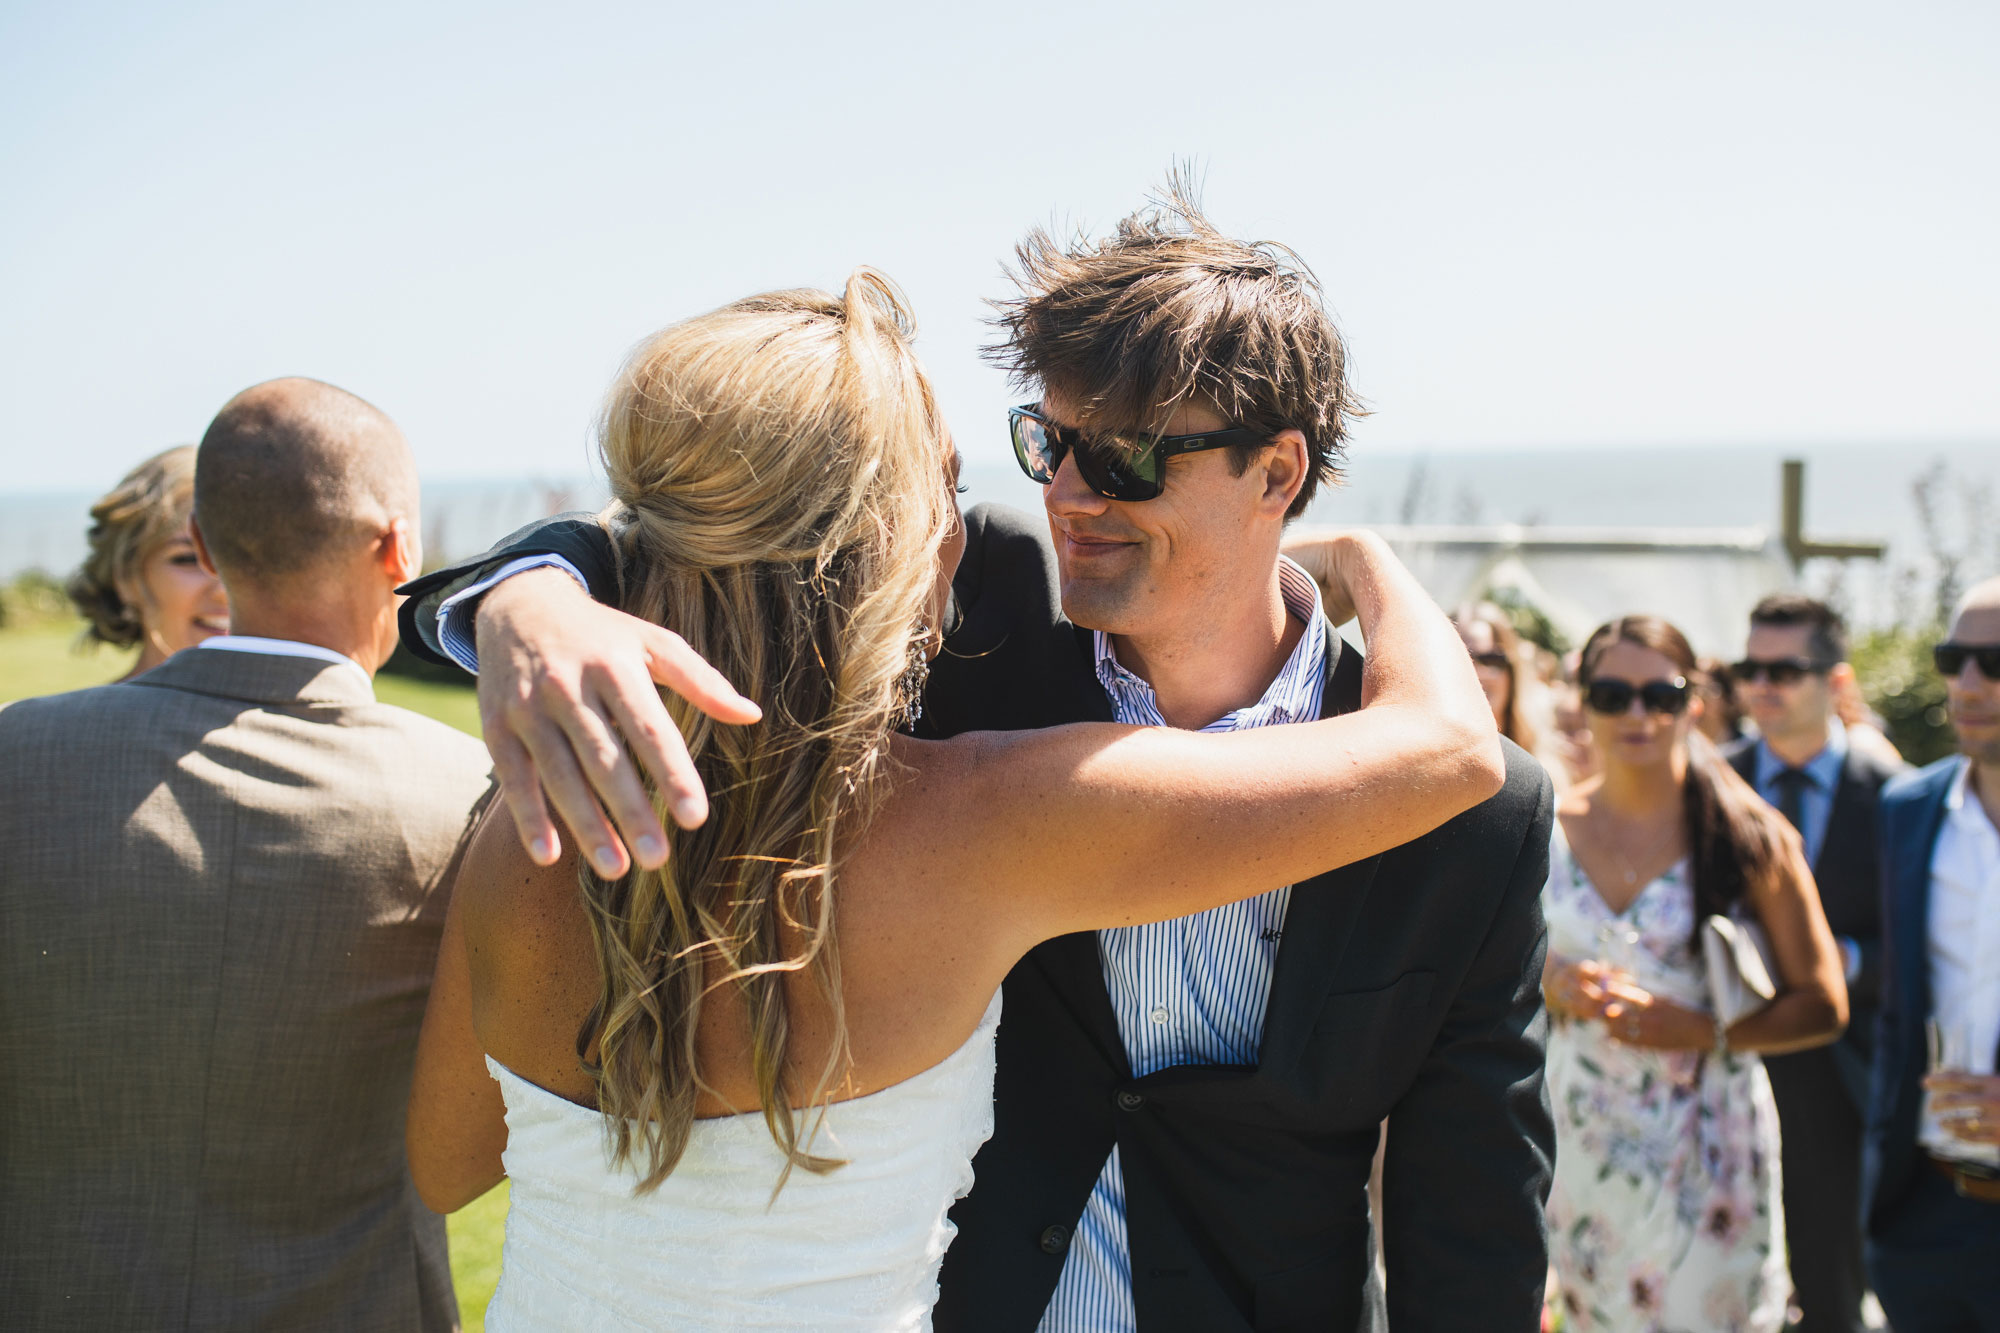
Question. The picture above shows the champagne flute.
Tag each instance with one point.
(1950, 1053)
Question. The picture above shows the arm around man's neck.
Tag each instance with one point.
(568, 696)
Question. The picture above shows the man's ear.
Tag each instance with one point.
(1840, 675)
(201, 550)
(399, 552)
(1285, 468)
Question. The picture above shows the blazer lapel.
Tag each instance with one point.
(1318, 924)
(1851, 813)
(1323, 911)
(1074, 972)
(1912, 898)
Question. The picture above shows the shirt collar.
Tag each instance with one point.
(1823, 768)
(251, 643)
(1292, 696)
(1961, 786)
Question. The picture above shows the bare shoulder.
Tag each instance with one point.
(517, 914)
(929, 776)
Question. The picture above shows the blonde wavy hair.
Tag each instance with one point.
(149, 507)
(777, 470)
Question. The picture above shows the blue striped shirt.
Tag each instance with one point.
(1191, 991)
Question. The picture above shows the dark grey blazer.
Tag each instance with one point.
(221, 891)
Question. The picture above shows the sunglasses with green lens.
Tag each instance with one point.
(1134, 469)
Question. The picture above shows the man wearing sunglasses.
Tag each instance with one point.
(1186, 1112)
(1931, 1178)
(1793, 663)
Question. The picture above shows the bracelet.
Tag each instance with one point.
(1721, 1037)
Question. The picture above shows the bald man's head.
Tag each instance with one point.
(1981, 599)
(294, 476)
(1972, 696)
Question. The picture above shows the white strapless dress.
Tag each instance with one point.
(857, 1248)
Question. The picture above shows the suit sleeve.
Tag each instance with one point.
(1869, 987)
(578, 538)
(1471, 1145)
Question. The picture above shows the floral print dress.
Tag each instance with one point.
(1665, 1213)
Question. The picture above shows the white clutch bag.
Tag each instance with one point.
(1740, 968)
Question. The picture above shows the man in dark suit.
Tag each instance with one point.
(1186, 1113)
(1931, 1183)
(1803, 764)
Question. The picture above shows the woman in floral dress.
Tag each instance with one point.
(1665, 1213)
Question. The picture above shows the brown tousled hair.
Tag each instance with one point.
(1168, 312)
(1736, 842)
(777, 470)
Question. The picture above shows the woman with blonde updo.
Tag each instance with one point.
(743, 1089)
(142, 582)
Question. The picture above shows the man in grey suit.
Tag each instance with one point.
(221, 890)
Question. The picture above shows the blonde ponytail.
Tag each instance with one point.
(777, 468)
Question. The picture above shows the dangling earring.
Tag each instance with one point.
(910, 685)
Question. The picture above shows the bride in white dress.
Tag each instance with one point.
(743, 1090)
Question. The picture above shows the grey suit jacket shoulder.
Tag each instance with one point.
(222, 886)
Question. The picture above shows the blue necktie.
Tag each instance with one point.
(1791, 784)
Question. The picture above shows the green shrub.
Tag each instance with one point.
(1893, 667)
(32, 599)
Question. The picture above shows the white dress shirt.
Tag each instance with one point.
(455, 614)
(251, 643)
(1964, 931)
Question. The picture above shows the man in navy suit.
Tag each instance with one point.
(1802, 763)
(1931, 1179)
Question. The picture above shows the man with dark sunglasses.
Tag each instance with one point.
(1185, 1112)
(1802, 763)
(1931, 1189)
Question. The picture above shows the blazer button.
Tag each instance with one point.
(1129, 1101)
(1055, 1239)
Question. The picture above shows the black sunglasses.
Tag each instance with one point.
(1498, 661)
(1950, 658)
(1779, 671)
(1132, 470)
(1613, 698)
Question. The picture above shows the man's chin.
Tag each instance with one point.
(1092, 605)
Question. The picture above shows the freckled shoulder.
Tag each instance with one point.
(517, 914)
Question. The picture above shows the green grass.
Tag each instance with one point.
(42, 660)
(45, 660)
(476, 1230)
(452, 704)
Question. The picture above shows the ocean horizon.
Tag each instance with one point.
(1853, 491)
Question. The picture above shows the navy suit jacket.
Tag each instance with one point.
(1912, 813)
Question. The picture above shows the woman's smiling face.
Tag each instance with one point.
(179, 603)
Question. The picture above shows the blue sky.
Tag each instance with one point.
(1537, 223)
